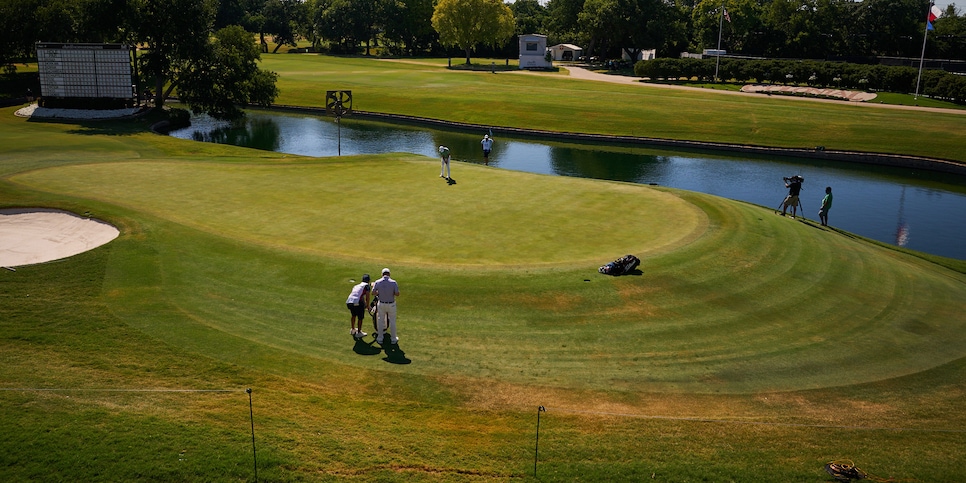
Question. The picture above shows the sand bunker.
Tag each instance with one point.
(854, 96)
(31, 235)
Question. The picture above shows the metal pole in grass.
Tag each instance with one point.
(251, 413)
(536, 448)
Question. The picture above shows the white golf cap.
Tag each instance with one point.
(385, 271)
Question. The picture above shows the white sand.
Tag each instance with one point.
(30, 235)
(34, 110)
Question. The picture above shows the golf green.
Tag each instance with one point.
(499, 281)
(394, 208)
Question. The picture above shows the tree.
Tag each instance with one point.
(211, 73)
(468, 23)
(628, 25)
(281, 18)
(561, 22)
(174, 32)
(529, 16)
(892, 27)
(369, 16)
(313, 27)
(411, 24)
(949, 37)
(227, 77)
(101, 20)
(339, 24)
(18, 32)
(742, 34)
(238, 12)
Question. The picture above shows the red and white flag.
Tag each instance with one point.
(728, 17)
(934, 13)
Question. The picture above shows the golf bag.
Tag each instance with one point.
(374, 312)
(844, 471)
(621, 266)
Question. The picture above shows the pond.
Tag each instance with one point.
(913, 208)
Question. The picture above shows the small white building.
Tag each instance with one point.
(566, 52)
(642, 55)
(533, 52)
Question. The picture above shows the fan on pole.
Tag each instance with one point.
(338, 103)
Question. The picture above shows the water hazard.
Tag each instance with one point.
(907, 207)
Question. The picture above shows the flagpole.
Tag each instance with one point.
(717, 54)
(922, 56)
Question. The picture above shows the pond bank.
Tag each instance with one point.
(817, 152)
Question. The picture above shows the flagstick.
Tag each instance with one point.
(923, 55)
(717, 55)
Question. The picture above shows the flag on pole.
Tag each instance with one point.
(726, 16)
(934, 13)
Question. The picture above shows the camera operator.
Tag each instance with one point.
(794, 185)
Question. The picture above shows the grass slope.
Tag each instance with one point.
(738, 316)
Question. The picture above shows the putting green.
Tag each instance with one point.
(256, 257)
(394, 208)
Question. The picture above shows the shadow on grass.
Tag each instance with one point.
(395, 355)
(365, 348)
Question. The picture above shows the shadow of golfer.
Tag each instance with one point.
(364, 348)
(395, 355)
(450, 181)
(807, 222)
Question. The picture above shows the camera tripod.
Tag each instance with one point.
(799, 206)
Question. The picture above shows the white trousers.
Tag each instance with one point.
(387, 314)
(444, 168)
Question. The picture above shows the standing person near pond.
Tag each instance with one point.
(387, 290)
(794, 185)
(487, 144)
(444, 162)
(826, 205)
(357, 302)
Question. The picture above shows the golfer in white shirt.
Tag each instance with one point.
(387, 290)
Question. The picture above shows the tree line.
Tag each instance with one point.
(203, 48)
(802, 29)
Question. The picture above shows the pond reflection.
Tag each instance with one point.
(900, 206)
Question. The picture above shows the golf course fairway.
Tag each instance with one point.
(748, 346)
(731, 298)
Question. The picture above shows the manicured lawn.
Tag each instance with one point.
(749, 347)
(551, 101)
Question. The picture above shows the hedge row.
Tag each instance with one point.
(935, 83)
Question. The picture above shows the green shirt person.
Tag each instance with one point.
(826, 205)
